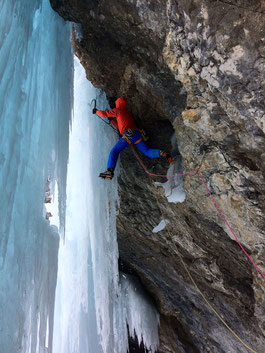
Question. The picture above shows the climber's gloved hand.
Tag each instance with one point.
(94, 110)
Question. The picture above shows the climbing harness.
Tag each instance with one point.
(127, 136)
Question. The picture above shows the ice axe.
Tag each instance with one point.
(95, 104)
(109, 119)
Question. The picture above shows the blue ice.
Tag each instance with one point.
(60, 289)
(35, 109)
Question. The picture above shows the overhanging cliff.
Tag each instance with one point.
(194, 69)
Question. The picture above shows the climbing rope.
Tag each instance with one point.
(218, 209)
(158, 175)
(206, 300)
(197, 171)
(195, 284)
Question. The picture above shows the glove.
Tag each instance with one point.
(94, 110)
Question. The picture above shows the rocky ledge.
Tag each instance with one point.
(193, 71)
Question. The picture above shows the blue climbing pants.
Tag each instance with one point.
(122, 144)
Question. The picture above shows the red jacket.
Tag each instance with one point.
(123, 119)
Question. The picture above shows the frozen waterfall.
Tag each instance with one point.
(35, 110)
(93, 307)
(60, 289)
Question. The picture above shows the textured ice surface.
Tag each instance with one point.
(92, 308)
(35, 109)
(88, 257)
(140, 314)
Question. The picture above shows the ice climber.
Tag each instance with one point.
(123, 121)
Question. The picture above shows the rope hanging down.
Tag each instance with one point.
(218, 209)
(209, 304)
(237, 240)
(195, 284)
(197, 171)
(178, 253)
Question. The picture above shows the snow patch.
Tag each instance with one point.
(174, 189)
(161, 226)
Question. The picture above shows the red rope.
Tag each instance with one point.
(218, 209)
(159, 175)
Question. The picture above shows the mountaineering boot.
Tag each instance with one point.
(108, 174)
(166, 155)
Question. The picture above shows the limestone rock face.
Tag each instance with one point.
(194, 70)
